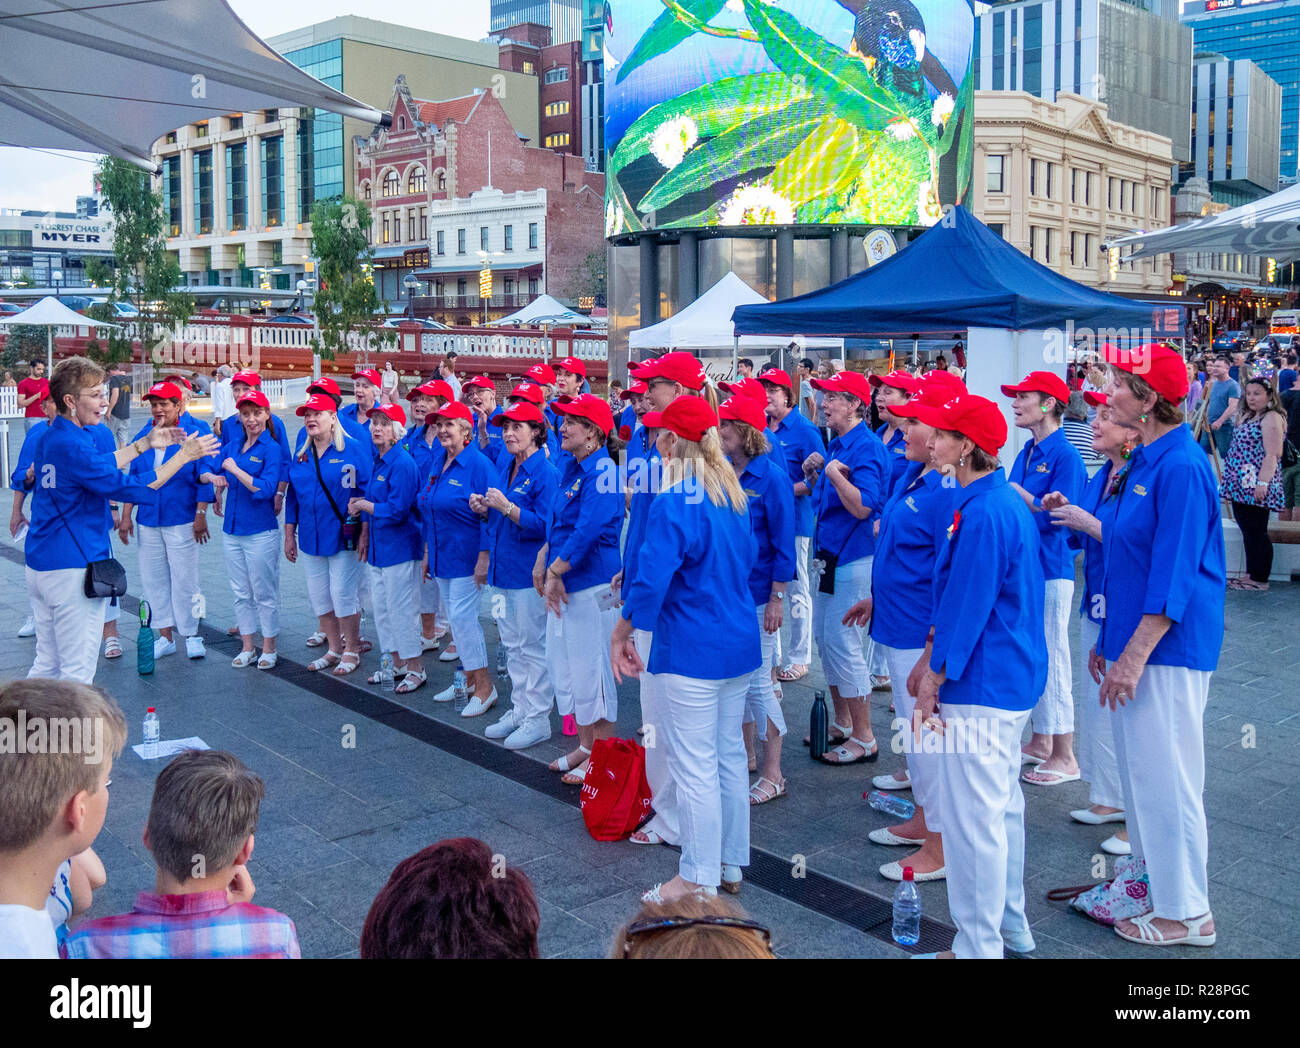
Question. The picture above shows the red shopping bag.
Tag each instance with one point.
(615, 795)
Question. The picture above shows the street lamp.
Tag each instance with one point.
(412, 284)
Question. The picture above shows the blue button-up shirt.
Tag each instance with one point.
(395, 524)
(454, 533)
(587, 521)
(1041, 468)
(839, 531)
(495, 446)
(896, 449)
(513, 545)
(251, 512)
(988, 608)
(1095, 500)
(642, 479)
(1164, 555)
(425, 454)
(912, 532)
(345, 474)
(771, 518)
(179, 498)
(233, 436)
(796, 439)
(693, 592)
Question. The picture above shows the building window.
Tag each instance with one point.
(397, 227)
(994, 166)
(460, 241)
(201, 130)
(203, 191)
(532, 236)
(416, 183)
(236, 123)
(483, 238)
(273, 181)
(510, 238)
(1051, 177)
(509, 286)
(365, 190)
(557, 108)
(388, 233)
(410, 225)
(1049, 246)
(172, 202)
(556, 141)
(401, 123)
(236, 188)
(557, 76)
(996, 227)
(270, 116)
(392, 185)
(530, 69)
(441, 182)
(462, 288)
(442, 242)
(533, 286)
(424, 223)
(171, 138)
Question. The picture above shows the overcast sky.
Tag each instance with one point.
(36, 180)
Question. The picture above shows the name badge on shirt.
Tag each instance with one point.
(379, 476)
(333, 462)
(1043, 468)
(910, 504)
(253, 458)
(1138, 489)
(751, 493)
(519, 491)
(454, 482)
(900, 451)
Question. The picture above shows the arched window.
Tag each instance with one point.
(392, 184)
(416, 180)
(365, 190)
(401, 123)
(441, 182)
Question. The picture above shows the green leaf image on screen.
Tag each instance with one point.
(780, 112)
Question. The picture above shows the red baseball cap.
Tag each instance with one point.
(846, 382)
(688, 417)
(636, 389)
(481, 381)
(181, 380)
(1041, 382)
(923, 404)
(944, 380)
(776, 377)
(746, 387)
(370, 375)
(975, 417)
(163, 391)
(573, 366)
(589, 406)
(529, 391)
(1163, 368)
(453, 409)
(254, 396)
(898, 379)
(319, 402)
(519, 412)
(677, 367)
(393, 411)
(436, 388)
(328, 385)
(543, 374)
(247, 378)
(1097, 400)
(745, 409)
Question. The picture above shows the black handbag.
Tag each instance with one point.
(349, 527)
(104, 578)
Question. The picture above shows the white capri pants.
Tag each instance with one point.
(1054, 713)
(332, 583)
(657, 741)
(460, 597)
(68, 625)
(253, 564)
(760, 692)
(577, 647)
(984, 827)
(922, 767)
(396, 591)
(431, 604)
(522, 627)
(800, 599)
(169, 569)
(112, 611)
(840, 646)
(1160, 743)
(708, 764)
(1097, 762)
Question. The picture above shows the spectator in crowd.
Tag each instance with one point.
(692, 928)
(1291, 474)
(1252, 477)
(1221, 400)
(8, 382)
(744, 368)
(1195, 388)
(31, 392)
(119, 403)
(54, 803)
(807, 402)
(1076, 429)
(388, 382)
(200, 832)
(452, 901)
(1286, 376)
(447, 372)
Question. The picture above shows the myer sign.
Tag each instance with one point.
(59, 232)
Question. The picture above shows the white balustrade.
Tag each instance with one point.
(9, 402)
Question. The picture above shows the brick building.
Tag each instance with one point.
(454, 189)
(561, 75)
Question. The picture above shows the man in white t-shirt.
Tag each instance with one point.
(223, 398)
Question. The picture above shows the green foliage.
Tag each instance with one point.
(23, 342)
(346, 300)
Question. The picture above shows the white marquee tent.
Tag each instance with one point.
(1269, 227)
(543, 311)
(50, 313)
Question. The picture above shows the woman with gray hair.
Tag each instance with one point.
(1077, 430)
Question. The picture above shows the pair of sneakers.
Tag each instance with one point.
(193, 647)
(519, 733)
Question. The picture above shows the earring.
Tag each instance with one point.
(1125, 452)
(1142, 418)
(961, 462)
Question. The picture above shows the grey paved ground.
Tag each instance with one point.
(336, 820)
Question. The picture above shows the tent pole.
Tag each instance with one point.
(735, 354)
(49, 351)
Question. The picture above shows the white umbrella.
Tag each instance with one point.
(50, 313)
(115, 77)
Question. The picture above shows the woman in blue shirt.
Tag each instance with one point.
(422, 443)
(696, 584)
(327, 472)
(846, 493)
(581, 555)
(1163, 590)
(253, 466)
(981, 672)
(1047, 463)
(456, 549)
(771, 518)
(517, 507)
(393, 551)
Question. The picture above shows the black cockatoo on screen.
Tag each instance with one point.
(889, 35)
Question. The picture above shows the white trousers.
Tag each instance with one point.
(800, 601)
(707, 760)
(112, 611)
(460, 597)
(922, 758)
(333, 582)
(983, 827)
(396, 592)
(840, 646)
(577, 647)
(760, 692)
(1160, 744)
(1054, 714)
(169, 570)
(253, 564)
(522, 626)
(1097, 762)
(431, 603)
(68, 625)
(657, 742)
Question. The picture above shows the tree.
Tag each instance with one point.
(120, 341)
(346, 300)
(23, 342)
(589, 279)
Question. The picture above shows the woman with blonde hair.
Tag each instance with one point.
(692, 928)
(697, 585)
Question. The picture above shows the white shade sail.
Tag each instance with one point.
(1269, 227)
(114, 77)
(50, 312)
(543, 310)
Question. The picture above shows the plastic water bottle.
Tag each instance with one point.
(907, 911)
(899, 807)
(818, 726)
(152, 729)
(144, 642)
(387, 673)
(502, 670)
(459, 689)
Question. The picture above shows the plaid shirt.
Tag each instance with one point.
(203, 925)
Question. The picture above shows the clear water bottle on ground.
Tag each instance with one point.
(152, 733)
(907, 911)
(502, 670)
(387, 672)
(459, 689)
(899, 807)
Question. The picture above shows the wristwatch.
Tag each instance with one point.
(776, 596)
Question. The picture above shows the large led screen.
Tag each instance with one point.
(751, 112)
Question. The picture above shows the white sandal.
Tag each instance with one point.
(316, 639)
(268, 660)
(243, 659)
(330, 658)
(561, 763)
(1149, 935)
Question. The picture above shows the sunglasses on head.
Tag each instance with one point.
(669, 923)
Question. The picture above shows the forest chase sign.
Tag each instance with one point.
(95, 236)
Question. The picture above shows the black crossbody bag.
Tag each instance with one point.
(104, 578)
(346, 529)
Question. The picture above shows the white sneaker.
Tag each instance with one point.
(477, 707)
(504, 726)
(530, 733)
(194, 647)
(28, 628)
(162, 646)
(1023, 943)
